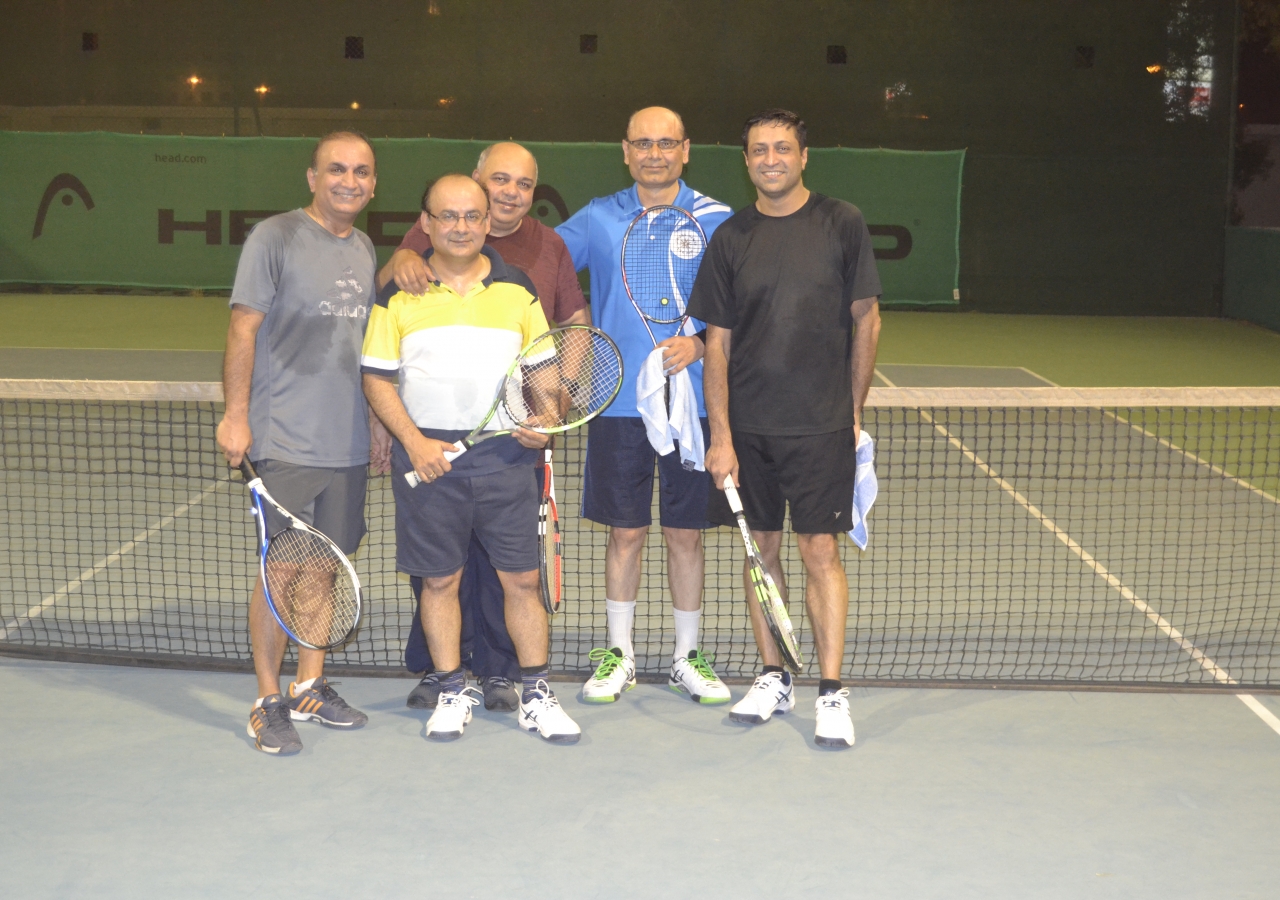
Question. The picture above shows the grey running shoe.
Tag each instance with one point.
(500, 694)
(271, 728)
(321, 703)
(427, 694)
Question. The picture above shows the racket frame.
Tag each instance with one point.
(682, 304)
(478, 433)
(550, 563)
(766, 590)
(258, 495)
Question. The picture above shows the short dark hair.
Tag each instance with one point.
(341, 136)
(776, 116)
(426, 192)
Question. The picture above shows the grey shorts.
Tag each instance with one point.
(434, 521)
(329, 500)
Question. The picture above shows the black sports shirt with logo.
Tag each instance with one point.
(784, 285)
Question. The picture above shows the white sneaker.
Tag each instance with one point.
(615, 673)
(835, 727)
(768, 695)
(695, 677)
(453, 712)
(543, 714)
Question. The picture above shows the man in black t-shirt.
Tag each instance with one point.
(790, 294)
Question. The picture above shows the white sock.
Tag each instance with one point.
(620, 618)
(300, 686)
(259, 702)
(686, 631)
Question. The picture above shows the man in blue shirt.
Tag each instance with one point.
(618, 485)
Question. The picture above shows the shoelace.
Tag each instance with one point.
(467, 695)
(767, 681)
(324, 687)
(278, 713)
(547, 697)
(834, 701)
(608, 661)
(702, 665)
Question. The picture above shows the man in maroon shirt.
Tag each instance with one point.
(509, 173)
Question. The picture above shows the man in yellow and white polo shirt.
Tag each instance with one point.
(451, 347)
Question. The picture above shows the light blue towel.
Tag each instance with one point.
(680, 422)
(865, 489)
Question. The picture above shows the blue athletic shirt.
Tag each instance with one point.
(594, 237)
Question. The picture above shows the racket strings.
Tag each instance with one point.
(565, 384)
(660, 258)
(313, 592)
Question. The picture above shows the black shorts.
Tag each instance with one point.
(813, 473)
(329, 500)
(434, 520)
(617, 488)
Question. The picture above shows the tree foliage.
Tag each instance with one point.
(1260, 21)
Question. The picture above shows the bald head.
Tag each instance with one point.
(655, 151)
(454, 185)
(504, 154)
(457, 218)
(657, 118)
(509, 173)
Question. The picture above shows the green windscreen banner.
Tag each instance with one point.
(171, 212)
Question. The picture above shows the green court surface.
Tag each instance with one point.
(1078, 351)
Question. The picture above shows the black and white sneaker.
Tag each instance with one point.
(541, 713)
(453, 713)
(768, 695)
(834, 727)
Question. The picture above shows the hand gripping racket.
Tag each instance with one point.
(661, 252)
(561, 380)
(549, 559)
(310, 585)
(767, 595)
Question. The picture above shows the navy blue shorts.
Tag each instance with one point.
(434, 520)
(617, 487)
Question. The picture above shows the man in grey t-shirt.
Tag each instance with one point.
(294, 403)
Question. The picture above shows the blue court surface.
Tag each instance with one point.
(123, 782)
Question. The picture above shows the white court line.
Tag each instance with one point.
(106, 561)
(1219, 674)
(1217, 470)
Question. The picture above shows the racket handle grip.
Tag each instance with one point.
(451, 455)
(731, 493)
(412, 477)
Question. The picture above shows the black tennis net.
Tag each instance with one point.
(1032, 536)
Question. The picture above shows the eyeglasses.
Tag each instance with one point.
(644, 145)
(449, 217)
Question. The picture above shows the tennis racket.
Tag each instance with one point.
(661, 252)
(767, 595)
(561, 380)
(310, 585)
(549, 559)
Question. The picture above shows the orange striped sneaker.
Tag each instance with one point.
(321, 703)
(271, 729)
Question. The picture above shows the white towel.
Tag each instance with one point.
(680, 422)
(865, 489)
